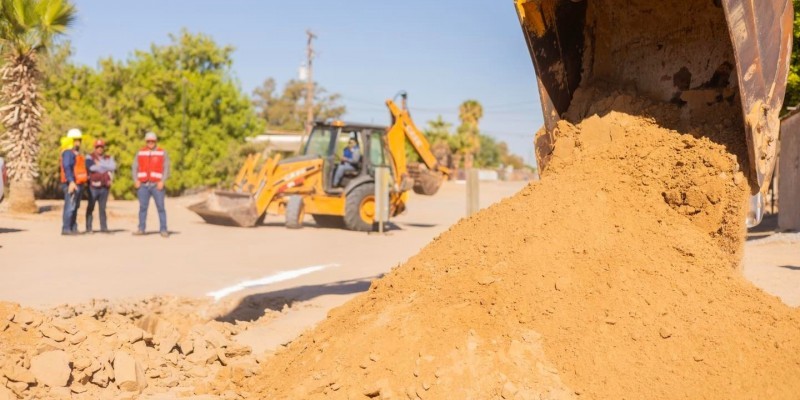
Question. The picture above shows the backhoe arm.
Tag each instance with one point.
(425, 181)
(404, 128)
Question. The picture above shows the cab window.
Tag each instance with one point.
(376, 156)
(319, 142)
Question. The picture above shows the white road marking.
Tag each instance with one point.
(267, 280)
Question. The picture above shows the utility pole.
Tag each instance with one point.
(309, 86)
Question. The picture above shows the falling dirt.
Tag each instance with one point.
(615, 276)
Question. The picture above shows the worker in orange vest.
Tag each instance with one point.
(150, 171)
(73, 177)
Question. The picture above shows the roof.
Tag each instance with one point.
(350, 125)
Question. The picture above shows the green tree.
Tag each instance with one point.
(183, 91)
(27, 30)
(287, 110)
(793, 85)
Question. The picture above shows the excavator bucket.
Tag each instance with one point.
(228, 208)
(426, 182)
(689, 52)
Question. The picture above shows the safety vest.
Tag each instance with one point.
(79, 170)
(151, 165)
(99, 179)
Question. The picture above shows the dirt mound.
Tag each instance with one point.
(120, 350)
(614, 277)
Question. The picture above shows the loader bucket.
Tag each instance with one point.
(228, 208)
(693, 53)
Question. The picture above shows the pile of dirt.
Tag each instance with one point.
(615, 276)
(121, 350)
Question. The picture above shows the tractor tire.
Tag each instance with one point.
(295, 212)
(328, 221)
(359, 208)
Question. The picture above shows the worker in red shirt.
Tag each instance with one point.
(150, 171)
(101, 171)
(73, 176)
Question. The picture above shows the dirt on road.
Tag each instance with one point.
(616, 276)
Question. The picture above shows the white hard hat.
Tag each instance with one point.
(74, 133)
(150, 136)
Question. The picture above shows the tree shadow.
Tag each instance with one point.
(252, 307)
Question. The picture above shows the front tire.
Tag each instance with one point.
(295, 212)
(359, 208)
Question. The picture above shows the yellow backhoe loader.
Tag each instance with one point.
(690, 52)
(304, 184)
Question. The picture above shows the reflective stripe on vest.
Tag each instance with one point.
(151, 165)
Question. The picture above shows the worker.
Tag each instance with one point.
(351, 156)
(73, 177)
(150, 171)
(101, 171)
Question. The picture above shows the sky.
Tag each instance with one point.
(441, 52)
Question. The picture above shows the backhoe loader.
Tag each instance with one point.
(302, 185)
(693, 53)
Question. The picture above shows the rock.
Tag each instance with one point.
(665, 333)
(81, 363)
(23, 317)
(18, 388)
(78, 338)
(128, 374)
(101, 378)
(52, 333)
(186, 346)
(132, 335)
(51, 368)
(15, 373)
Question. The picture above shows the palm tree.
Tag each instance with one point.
(470, 113)
(27, 29)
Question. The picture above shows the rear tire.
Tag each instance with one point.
(328, 221)
(295, 212)
(359, 208)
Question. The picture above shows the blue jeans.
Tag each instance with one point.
(339, 174)
(97, 195)
(72, 201)
(144, 193)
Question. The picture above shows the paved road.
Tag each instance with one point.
(40, 268)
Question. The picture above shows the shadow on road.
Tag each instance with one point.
(252, 307)
(419, 225)
(767, 227)
(11, 230)
(791, 267)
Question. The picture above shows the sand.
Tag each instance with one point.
(616, 276)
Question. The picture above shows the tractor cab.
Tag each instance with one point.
(329, 141)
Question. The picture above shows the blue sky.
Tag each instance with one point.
(441, 51)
